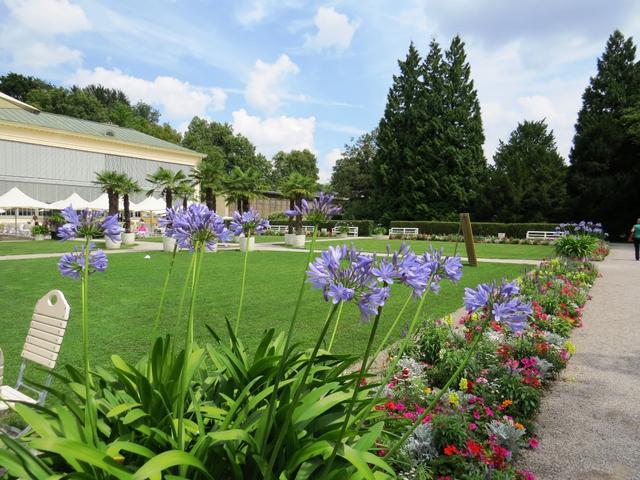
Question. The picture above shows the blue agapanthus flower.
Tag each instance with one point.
(506, 305)
(321, 208)
(249, 223)
(73, 264)
(195, 225)
(89, 224)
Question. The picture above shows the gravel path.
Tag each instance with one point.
(590, 421)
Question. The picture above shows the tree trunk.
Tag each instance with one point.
(168, 198)
(113, 202)
(210, 199)
(184, 202)
(127, 213)
(247, 206)
(239, 204)
(292, 205)
(299, 228)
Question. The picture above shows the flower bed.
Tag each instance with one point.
(478, 426)
(477, 239)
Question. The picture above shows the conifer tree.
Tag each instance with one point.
(398, 142)
(528, 177)
(605, 173)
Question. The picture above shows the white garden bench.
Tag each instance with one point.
(353, 231)
(279, 228)
(403, 231)
(543, 235)
(42, 346)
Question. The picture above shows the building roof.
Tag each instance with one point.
(14, 111)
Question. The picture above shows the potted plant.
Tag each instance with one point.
(39, 232)
(296, 187)
(380, 233)
(126, 188)
(343, 231)
(56, 220)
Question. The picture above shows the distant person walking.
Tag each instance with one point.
(635, 235)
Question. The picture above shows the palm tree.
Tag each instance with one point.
(208, 175)
(184, 190)
(296, 187)
(241, 187)
(166, 181)
(126, 188)
(110, 182)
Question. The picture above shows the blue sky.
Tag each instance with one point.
(293, 74)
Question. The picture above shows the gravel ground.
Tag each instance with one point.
(590, 420)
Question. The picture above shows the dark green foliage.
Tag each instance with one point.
(604, 171)
(352, 176)
(296, 161)
(430, 162)
(528, 177)
(526, 399)
(512, 230)
(18, 86)
(449, 430)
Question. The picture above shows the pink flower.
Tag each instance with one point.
(427, 418)
(533, 443)
(409, 415)
(488, 411)
(476, 415)
(472, 426)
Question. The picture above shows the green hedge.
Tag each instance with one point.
(483, 229)
(365, 227)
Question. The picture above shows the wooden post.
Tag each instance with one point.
(467, 232)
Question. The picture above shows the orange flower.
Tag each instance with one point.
(519, 426)
(506, 403)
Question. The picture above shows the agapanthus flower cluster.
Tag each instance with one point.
(73, 264)
(345, 274)
(195, 225)
(90, 224)
(581, 228)
(320, 209)
(506, 306)
(249, 223)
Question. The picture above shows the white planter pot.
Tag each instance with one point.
(128, 238)
(298, 241)
(342, 235)
(110, 244)
(288, 238)
(38, 237)
(381, 237)
(324, 231)
(168, 243)
(247, 244)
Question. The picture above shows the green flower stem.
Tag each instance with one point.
(335, 327)
(383, 344)
(435, 400)
(356, 391)
(242, 286)
(89, 411)
(183, 296)
(272, 401)
(300, 388)
(403, 346)
(198, 254)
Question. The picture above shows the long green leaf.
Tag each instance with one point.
(165, 460)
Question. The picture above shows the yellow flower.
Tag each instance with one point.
(464, 384)
(454, 399)
(427, 390)
(571, 348)
(449, 320)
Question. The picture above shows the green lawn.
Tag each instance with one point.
(483, 250)
(125, 297)
(25, 247)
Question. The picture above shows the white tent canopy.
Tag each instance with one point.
(102, 203)
(16, 198)
(75, 200)
(150, 204)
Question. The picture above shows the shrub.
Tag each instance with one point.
(512, 230)
(39, 230)
(576, 246)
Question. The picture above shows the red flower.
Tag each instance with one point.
(451, 450)
(475, 449)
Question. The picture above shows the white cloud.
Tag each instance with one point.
(40, 55)
(49, 17)
(334, 30)
(256, 12)
(178, 101)
(326, 166)
(273, 134)
(264, 89)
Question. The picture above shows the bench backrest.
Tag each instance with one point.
(46, 330)
(541, 234)
(403, 231)
(353, 231)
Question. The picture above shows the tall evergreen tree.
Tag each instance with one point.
(303, 162)
(398, 140)
(528, 177)
(463, 163)
(605, 170)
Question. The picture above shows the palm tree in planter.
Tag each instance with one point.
(208, 175)
(296, 187)
(240, 187)
(126, 188)
(110, 182)
(166, 182)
